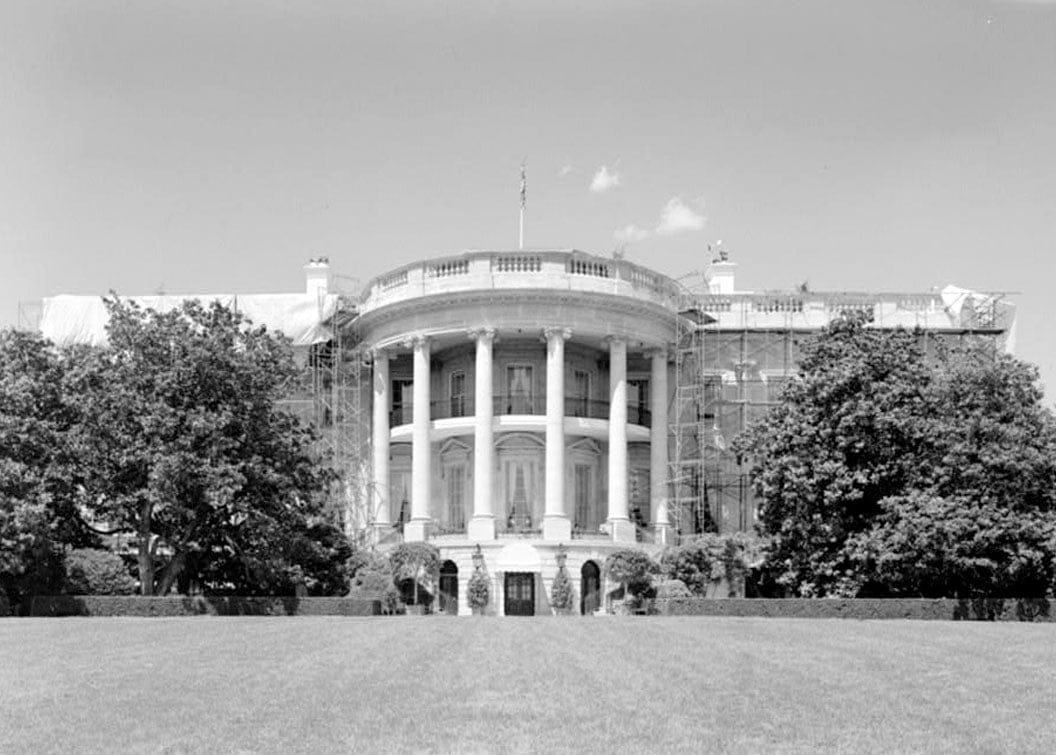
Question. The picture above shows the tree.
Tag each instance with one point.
(37, 484)
(412, 561)
(633, 569)
(872, 435)
(180, 442)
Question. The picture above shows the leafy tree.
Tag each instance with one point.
(632, 568)
(413, 561)
(180, 442)
(37, 484)
(874, 438)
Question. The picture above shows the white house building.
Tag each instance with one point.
(546, 403)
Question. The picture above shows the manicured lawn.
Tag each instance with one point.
(545, 684)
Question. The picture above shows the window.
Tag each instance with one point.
(585, 513)
(580, 394)
(638, 401)
(456, 497)
(402, 401)
(458, 394)
(519, 389)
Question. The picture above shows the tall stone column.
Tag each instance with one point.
(421, 448)
(482, 523)
(380, 441)
(658, 445)
(619, 523)
(556, 523)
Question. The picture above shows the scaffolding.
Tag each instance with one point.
(733, 354)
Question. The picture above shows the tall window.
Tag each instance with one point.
(586, 516)
(638, 401)
(458, 394)
(402, 398)
(580, 393)
(456, 496)
(519, 389)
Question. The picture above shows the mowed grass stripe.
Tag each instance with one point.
(556, 684)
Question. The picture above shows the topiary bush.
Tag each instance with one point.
(479, 590)
(90, 571)
(375, 583)
(561, 594)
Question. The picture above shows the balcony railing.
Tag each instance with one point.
(504, 404)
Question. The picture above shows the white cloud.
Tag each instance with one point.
(564, 171)
(680, 217)
(605, 180)
(631, 232)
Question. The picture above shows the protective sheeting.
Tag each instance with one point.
(304, 318)
(971, 309)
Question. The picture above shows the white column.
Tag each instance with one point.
(381, 482)
(658, 444)
(482, 523)
(619, 523)
(556, 522)
(421, 450)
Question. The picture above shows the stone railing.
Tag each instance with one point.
(560, 270)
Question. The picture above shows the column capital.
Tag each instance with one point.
(481, 334)
(378, 353)
(552, 333)
(615, 339)
(415, 341)
(657, 351)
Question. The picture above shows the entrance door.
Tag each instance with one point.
(520, 594)
(449, 588)
(591, 592)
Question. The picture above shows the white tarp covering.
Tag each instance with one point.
(971, 309)
(519, 557)
(304, 318)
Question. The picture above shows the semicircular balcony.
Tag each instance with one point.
(516, 413)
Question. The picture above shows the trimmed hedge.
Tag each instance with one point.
(130, 605)
(945, 609)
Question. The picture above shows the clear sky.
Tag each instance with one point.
(215, 146)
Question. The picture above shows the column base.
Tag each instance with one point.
(416, 531)
(664, 533)
(481, 528)
(557, 527)
(623, 531)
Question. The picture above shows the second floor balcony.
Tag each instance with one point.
(524, 405)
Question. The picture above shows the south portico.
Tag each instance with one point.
(564, 424)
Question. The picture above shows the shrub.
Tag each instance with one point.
(561, 596)
(374, 583)
(711, 558)
(479, 589)
(90, 571)
(672, 588)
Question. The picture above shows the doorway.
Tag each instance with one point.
(590, 594)
(519, 594)
(449, 588)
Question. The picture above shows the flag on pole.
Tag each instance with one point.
(524, 187)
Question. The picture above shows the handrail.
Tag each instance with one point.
(504, 404)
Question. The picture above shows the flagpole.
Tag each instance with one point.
(524, 191)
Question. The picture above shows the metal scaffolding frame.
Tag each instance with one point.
(727, 376)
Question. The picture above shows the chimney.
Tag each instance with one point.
(720, 274)
(317, 276)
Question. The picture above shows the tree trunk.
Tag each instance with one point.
(170, 572)
(146, 553)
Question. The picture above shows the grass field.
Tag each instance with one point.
(544, 684)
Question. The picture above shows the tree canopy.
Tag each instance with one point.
(888, 471)
(181, 443)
